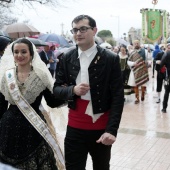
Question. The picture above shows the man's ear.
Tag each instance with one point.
(94, 30)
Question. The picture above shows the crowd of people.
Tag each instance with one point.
(155, 59)
(91, 80)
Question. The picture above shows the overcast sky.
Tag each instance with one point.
(107, 13)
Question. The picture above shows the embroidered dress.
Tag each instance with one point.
(20, 144)
(27, 140)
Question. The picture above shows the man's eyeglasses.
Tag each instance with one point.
(81, 29)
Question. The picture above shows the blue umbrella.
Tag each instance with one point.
(54, 38)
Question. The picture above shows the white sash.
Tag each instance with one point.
(34, 118)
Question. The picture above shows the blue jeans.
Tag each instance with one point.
(78, 143)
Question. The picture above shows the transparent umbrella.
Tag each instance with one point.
(123, 42)
(152, 47)
(106, 45)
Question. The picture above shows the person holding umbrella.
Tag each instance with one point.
(4, 41)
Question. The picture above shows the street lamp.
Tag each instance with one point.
(117, 24)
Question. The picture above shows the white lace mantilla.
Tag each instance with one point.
(39, 67)
(31, 88)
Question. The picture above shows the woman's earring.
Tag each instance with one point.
(16, 64)
(31, 63)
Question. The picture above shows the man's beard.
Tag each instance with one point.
(137, 48)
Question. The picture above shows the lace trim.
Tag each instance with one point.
(123, 57)
(32, 88)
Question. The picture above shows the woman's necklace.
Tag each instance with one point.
(22, 76)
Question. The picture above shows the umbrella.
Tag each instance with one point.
(123, 42)
(37, 42)
(66, 49)
(106, 45)
(3, 33)
(54, 38)
(152, 47)
(34, 36)
(168, 40)
(98, 40)
(19, 30)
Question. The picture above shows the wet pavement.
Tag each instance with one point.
(143, 141)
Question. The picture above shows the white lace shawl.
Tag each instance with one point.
(42, 76)
(32, 88)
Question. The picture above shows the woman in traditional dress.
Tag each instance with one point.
(123, 54)
(26, 141)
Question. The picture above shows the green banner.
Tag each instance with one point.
(154, 25)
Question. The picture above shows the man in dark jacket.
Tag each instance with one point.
(4, 41)
(155, 52)
(160, 75)
(90, 79)
(166, 62)
(44, 56)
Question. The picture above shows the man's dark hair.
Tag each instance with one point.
(4, 41)
(25, 41)
(92, 22)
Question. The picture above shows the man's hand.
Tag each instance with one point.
(81, 89)
(106, 139)
(158, 62)
(138, 64)
(51, 61)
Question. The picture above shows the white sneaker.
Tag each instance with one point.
(158, 101)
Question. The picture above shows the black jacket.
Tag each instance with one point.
(43, 57)
(158, 57)
(166, 61)
(106, 85)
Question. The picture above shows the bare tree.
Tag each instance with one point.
(6, 3)
(6, 18)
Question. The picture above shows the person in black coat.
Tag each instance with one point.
(4, 41)
(160, 75)
(166, 62)
(44, 56)
(90, 79)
